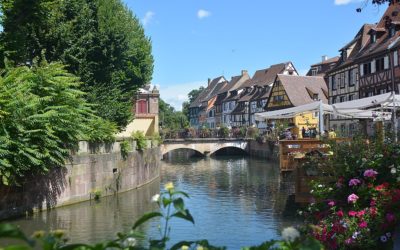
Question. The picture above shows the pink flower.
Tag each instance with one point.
(352, 198)
(372, 203)
(331, 203)
(354, 182)
(352, 213)
(370, 173)
(390, 217)
(348, 241)
(363, 224)
(339, 213)
(360, 213)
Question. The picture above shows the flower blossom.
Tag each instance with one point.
(169, 186)
(363, 224)
(348, 241)
(155, 198)
(331, 203)
(290, 234)
(352, 213)
(354, 182)
(340, 213)
(370, 173)
(383, 238)
(352, 198)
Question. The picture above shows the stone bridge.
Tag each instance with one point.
(205, 146)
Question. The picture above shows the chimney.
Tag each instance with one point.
(324, 58)
(208, 81)
(244, 72)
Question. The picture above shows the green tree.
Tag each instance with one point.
(42, 117)
(170, 118)
(101, 41)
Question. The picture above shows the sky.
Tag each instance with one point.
(194, 40)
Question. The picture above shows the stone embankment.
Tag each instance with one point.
(94, 170)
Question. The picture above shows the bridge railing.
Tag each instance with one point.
(239, 133)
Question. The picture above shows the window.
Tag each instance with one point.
(392, 31)
(382, 91)
(315, 97)
(395, 58)
(351, 97)
(352, 129)
(334, 100)
(373, 38)
(342, 98)
(380, 64)
(279, 98)
(314, 71)
(352, 77)
(141, 107)
(343, 80)
(333, 82)
(366, 68)
(369, 93)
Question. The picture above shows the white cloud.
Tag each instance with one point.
(344, 2)
(148, 17)
(203, 14)
(176, 94)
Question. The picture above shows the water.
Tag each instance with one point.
(235, 201)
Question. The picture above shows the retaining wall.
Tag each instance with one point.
(263, 150)
(93, 168)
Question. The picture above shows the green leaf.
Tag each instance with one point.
(182, 193)
(146, 217)
(74, 246)
(180, 244)
(184, 215)
(12, 231)
(17, 247)
(179, 204)
(166, 201)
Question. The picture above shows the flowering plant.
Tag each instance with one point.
(359, 209)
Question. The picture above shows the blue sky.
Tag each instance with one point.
(194, 40)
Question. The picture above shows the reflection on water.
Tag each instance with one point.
(235, 202)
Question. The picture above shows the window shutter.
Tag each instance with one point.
(346, 77)
(373, 66)
(395, 58)
(361, 69)
(386, 62)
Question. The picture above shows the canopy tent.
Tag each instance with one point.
(382, 101)
(292, 112)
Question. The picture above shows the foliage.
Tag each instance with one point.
(224, 131)
(42, 118)
(100, 41)
(140, 138)
(252, 132)
(96, 194)
(125, 148)
(204, 132)
(360, 208)
(100, 130)
(156, 139)
(170, 118)
(171, 203)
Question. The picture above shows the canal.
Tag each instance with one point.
(235, 201)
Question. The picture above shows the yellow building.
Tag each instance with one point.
(145, 111)
(292, 91)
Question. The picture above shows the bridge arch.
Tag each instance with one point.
(204, 146)
(240, 150)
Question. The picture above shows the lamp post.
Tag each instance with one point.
(394, 99)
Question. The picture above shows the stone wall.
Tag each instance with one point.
(263, 150)
(94, 168)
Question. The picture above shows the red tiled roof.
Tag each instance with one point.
(266, 76)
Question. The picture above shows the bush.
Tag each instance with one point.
(125, 147)
(141, 142)
(42, 115)
(156, 139)
(252, 132)
(224, 131)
